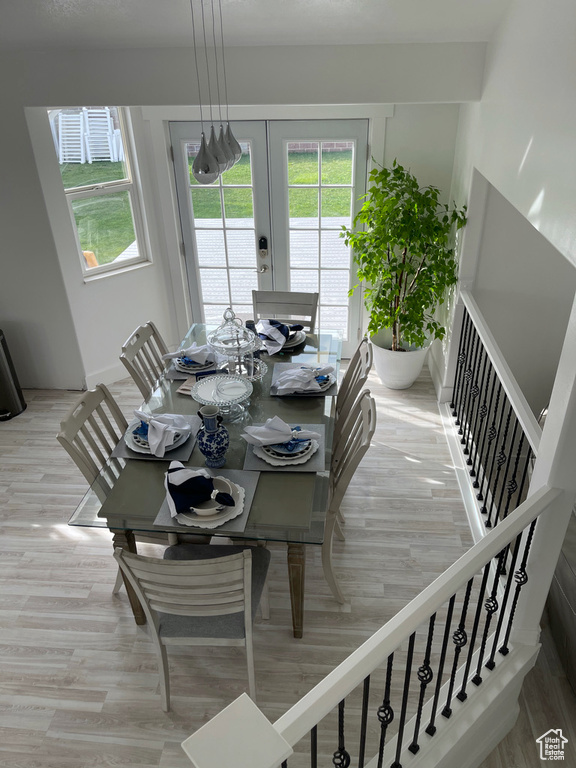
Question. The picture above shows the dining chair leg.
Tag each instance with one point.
(164, 677)
(265, 597)
(250, 664)
(327, 559)
(338, 530)
(119, 583)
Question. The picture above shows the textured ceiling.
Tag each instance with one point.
(160, 23)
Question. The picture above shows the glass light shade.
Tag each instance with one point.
(226, 149)
(205, 168)
(235, 148)
(216, 150)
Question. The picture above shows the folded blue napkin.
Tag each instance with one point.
(274, 334)
(187, 488)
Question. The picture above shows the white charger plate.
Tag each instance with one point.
(183, 368)
(276, 461)
(134, 446)
(295, 340)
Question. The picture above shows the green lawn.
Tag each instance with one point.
(105, 222)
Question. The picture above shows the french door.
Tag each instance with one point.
(273, 221)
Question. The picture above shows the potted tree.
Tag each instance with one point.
(403, 245)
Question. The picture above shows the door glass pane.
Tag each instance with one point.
(334, 286)
(334, 252)
(225, 244)
(337, 162)
(303, 162)
(304, 249)
(303, 207)
(336, 207)
(238, 207)
(304, 280)
(105, 226)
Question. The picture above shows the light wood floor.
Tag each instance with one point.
(78, 679)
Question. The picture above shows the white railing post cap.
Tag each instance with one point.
(238, 737)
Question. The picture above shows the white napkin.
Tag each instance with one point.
(276, 431)
(275, 338)
(201, 355)
(162, 429)
(302, 379)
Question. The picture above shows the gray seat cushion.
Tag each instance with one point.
(229, 626)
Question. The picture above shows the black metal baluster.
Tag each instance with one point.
(466, 355)
(512, 485)
(479, 416)
(483, 457)
(461, 359)
(364, 721)
(468, 376)
(341, 758)
(472, 400)
(431, 727)
(462, 695)
(491, 606)
(492, 435)
(385, 712)
(314, 747)
(402, 723)
(459, 638)
(502, 458)
(425, 675)
(490, 664)
(521, 578)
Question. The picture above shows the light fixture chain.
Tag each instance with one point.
(207, 66)
(223, 61)
(216, 62)
(196, 65)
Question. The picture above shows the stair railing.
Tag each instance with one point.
(395, 700)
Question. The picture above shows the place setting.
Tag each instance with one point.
(279, 337)
(276, 445)
(202, 497)
(193, 361)
(303, 380)
(150, 437)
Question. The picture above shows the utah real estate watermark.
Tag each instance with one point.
(552, 744)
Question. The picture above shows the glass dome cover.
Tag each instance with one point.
(232, 338)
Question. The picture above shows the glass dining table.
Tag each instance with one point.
(287, 506)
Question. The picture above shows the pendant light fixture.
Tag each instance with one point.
(205, 168)
(218, 154)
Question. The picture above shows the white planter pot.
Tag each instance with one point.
(398, 370)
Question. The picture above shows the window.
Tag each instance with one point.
(96, 165)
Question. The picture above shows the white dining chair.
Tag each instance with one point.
(348, 451)
(198, 596)
(287, 306)
(352, 382)
(142, 357)
(89, 433)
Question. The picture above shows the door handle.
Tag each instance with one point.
(262, 268)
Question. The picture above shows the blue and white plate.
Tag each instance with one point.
(185, 365)
(291, 448)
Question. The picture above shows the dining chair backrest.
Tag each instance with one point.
(352, 382)
(288, 306)
(89, 433)
(196, 601)
(142, 356)
(352, 444)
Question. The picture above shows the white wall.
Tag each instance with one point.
(521, 136)
(525, 289)
(79, 327)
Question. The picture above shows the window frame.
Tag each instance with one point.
(130, 183)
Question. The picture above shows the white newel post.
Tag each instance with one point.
(556, 467)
